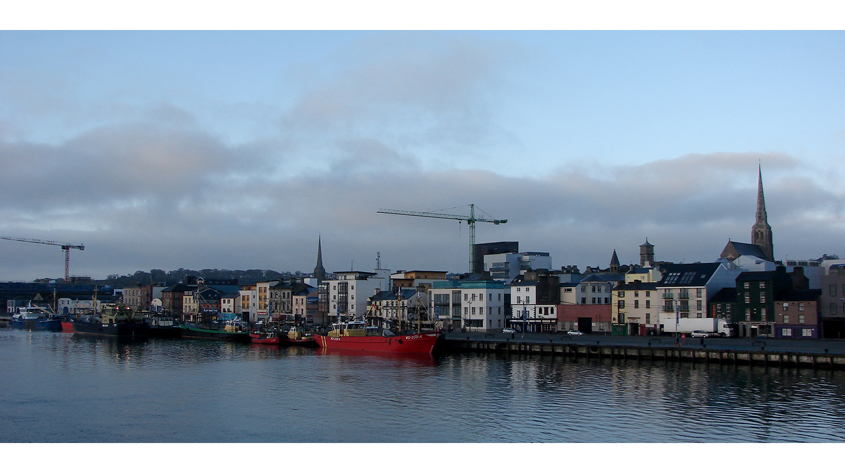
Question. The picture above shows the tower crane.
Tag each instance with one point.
(469, 219)
(66, 247)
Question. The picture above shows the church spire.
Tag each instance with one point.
(761, 232)
(319, 270)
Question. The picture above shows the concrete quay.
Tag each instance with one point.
(821, 354)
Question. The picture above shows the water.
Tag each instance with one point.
(59, 387)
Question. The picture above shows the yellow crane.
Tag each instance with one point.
(66, 247)
(470, 220)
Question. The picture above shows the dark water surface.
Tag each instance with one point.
(60, 387)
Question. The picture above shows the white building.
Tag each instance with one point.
(348, 294)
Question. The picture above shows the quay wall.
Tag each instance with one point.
(682, 354)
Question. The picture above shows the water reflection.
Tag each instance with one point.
(90, 389)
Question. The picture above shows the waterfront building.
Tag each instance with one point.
(483, 305)
(299, 303)
(398, 308)
(535, 296)
(798, 314)
(586, 305)
(686, 289)
(445, 303)
(347, 295)
(281, 300)
(172, 298)
(230, 303)
(832, 301)
(756, 292)
(723, 306)
(139, 297)
(635, 307)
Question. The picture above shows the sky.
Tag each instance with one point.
(238, 149)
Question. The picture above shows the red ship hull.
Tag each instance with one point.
(257, 338)
(67, 326)
(415, 343)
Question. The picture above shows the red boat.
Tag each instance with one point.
(299, 336)
(357, 336)
(264, 338)
(67, 323)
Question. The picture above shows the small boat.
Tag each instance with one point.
(298, 335)
(233, 331)
(265, 337)
(35, 318)
(356, 335)
(114, 321)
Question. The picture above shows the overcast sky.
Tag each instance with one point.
(237, 149)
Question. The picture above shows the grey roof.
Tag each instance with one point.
(747, 249)
(686, 275)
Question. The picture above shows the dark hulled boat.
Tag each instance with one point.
(35, 318)
(164, 327)
(113, 321)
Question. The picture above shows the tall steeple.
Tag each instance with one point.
(319, 270)
(614, 263)
(761, 232)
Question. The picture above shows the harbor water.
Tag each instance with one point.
(70, 388)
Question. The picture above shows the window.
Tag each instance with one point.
(527, 300)
(832, 289)
(481, 296)
(621, 304)
(481, 311)
(699, 292)
(747, 297)
(698, 304)
(648, 304)
(636, 293)
(763, 313)
(648, 318)
(786, 306)
(636, 304)
(583, 300)
(807, 332)
(800, 319)
(621, 294)
(787, 332)
(800, 307)
(473, 311)
(762, 284)
(833, 308)
(466, 296)
(648, 293)
(747, 314)
(786, 319)
(607, 300)
(746, 285)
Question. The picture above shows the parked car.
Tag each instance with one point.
(575, 332)
(508, 330)
(699, 334)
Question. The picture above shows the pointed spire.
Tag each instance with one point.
(761, 200)
(761, 232)
(319, 270)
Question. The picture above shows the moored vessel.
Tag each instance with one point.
(35, 318)
(233, 331)
(265, 336)
(356, 335)
(114, 321)
(301, 336)
(164, 327)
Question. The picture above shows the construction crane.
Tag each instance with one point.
(66, 247)
(470, 221)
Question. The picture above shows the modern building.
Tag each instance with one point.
(507, 266)
(483, 249)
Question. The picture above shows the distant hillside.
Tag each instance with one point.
(160, 277)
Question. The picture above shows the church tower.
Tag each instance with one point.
(646, 254)
(761, 232)
(319, 270)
